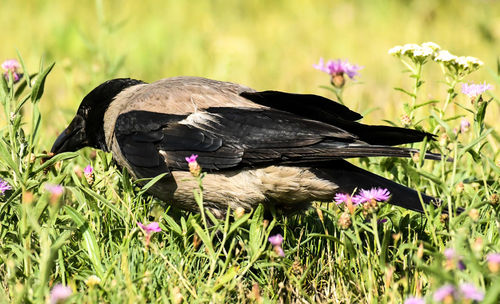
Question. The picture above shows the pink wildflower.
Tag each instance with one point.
(150, 228)
(414, 300)
(59, 294)
(464, 125)
(338, 67)
(11, 65)
(377, 194)
(4, 186)
(470, 292)
(192, 158)
(445, 293)
(473, 90)
(88, 170)
(276, 241)
(193, 165)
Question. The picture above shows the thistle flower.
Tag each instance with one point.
(149, 230)
(445, 294)
(374, 194)
(474, 90)
(55, 192)
(336, 69)
(453, 259)
(464, 125)
(276, 241)
(345, 220)
(470, 292)
(4, 186)
(193, 165)
(342, 198)
(89, 174)
(11, 65)
(60, 293)
(493, 260)
(349, 201)
(414, 300)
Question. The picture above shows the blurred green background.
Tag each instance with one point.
(262, 44)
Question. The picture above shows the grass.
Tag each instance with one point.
(91, 230)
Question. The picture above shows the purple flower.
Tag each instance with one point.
(4, 186)
(414, 300)
(338, 67)
(473, 90)
(11, 65)
(450, 253)
(343, 198)
(56, 190)
(150, 228)
(60, 293)
(444, 292)
(493, 257)
(469, 291)
(193, 165)
(88, 170)
(381, 221)
(493, 260)
(276, 240)
(191, 159)
(453, 259)
(464, 125)
(377, 194)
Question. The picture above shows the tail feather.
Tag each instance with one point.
(349, 178)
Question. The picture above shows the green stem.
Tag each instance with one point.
(450, 95)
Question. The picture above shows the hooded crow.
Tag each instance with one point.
(279, 149)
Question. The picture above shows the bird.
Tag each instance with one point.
(282, 150)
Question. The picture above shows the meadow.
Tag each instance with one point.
(62, 226)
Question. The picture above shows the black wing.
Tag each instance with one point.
(227, 137)
(323, 109)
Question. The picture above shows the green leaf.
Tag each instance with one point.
(481, 112)
(152, 182)
(26, 74)
(103, 200)
(475, 142)
(37, 91)
(204, 237)
(54, 159)
(406, 92)
(89, 240)
(426, 103)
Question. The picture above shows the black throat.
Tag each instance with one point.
(95, 105)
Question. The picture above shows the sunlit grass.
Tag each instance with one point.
(92, 228)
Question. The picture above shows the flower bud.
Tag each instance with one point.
(474, 214)
(338, 80)
(406, 120)
(345, 220)
(239, 212)
(494, 199)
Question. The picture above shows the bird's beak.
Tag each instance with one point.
(72, 138)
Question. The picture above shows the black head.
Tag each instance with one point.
(87, 128)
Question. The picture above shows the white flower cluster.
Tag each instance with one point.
(430, 50)
(415, 51)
